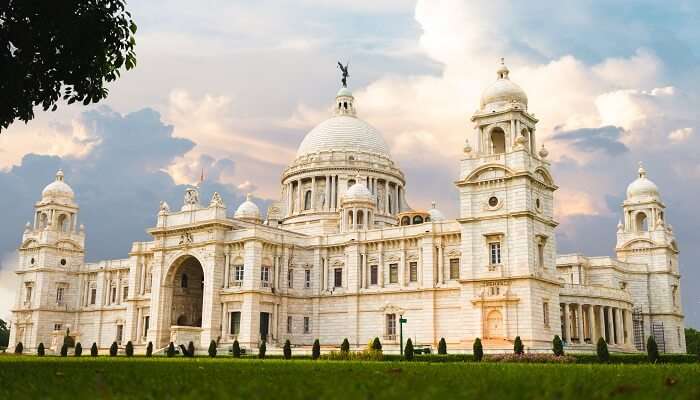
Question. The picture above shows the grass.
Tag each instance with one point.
(28, 377)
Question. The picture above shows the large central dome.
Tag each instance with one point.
(344, 132)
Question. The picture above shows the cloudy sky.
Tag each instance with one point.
(231, 87)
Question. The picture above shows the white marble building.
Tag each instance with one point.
(343, 255)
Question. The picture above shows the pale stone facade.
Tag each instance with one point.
(342, 255)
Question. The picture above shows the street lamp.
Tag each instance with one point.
(402, 321)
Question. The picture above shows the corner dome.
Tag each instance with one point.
(502, 93)
(435, 214)
(358, 192)
(58, 188)
(248, 210)
(642, 188)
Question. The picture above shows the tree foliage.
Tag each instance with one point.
(93, 350)
(78, 349)
(262, 349)
(316, 350)
(149, 349)
(601, 350)
(652, 350)
(692, 341)
(376, 344)
(52, 50)
(170, 352)
(4, 331)
(129, 349)
(41, 351)
(113, 349)
(19, 348)
(287, 350)
(408, 350)
(64, 350)
(345, 346)
(518, 346)
(478, 349)
(442, 346)
(212, 349)
(236, 349)
(557, 346)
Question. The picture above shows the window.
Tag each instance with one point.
(93, 296)
(289, 324)
(63, 261)
(454, 268)
(307, 200)
(373, 275)
(113, 294)
(28, 294)
(183, 281)
(417, 220)
(498, 141)
(545, 313)
(493, 201)
(391, 326)
(59, 295)
(393, 273)
(120, 332)
(125, 293)
(235, 323)
(674, 294)
(306, 325)
(307, 278)
(265, 276)
(238, 273)
(540, 255)
(146, 320)
(290, 278)
(338, 277)
(494, 290)
(495, 253)
(57, 327)
(413, 271)
(405, 221)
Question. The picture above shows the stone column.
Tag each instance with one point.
(300, 197)
(386, 195)
(402, 265)
(396, 199)
(593, 325)
(326, 272)
(327, 206)
(290, 210)
(381, 265)
(441, 264)
(611, 331)
(579, 322)
(211, 304)
(603, 326)
(620, 326)
(227, 266)
(567, 330)
(313, 193)
(420, 263)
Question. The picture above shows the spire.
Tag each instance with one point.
(503, 71)
(641, 171)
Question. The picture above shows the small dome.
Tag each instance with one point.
(58, 188)
(248, 210)
(357, 192)
(435, 214)
(502, 93)
(344, 92)
(642, 188)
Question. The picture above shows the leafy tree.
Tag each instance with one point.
(316, 350)
(19, 348)
(212, 349)
(442, 346)
(78, 349)
(93, 349)
(601, 350)
(129, 349)
(149, 349)
(408, 350)
(376, 344)
(113, 349)
(518, 346)
(262, 349)
(64, 350)
(4, 329)
(345, 346)
(56, 49)
(190, 349)
(171, 350)
(68, 340)
(652, 350)
(236, 349)
(692, 341)
(287, 350)
(478, 349)
(557, 346)
(40, 351)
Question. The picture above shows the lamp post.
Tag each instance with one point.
(402, 321)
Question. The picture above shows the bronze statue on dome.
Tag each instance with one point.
(344, 69)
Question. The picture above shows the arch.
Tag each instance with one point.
(641, 222)
(307, 200)
(544, 175)
(498, 140)
(360, 219)
(417, 219)
(184, 292)
(390, 206)
(63, 222)
(475, 175)
(350, 182)
(181, 320)
(406, 220)
(350, 219)
(494, 324)
(43, 220)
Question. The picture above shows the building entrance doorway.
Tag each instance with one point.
(264, 326)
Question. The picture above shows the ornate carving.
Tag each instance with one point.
(164, 207)
(216, 200)
(191, 196)
(186, 238)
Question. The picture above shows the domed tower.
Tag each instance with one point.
(644, 237)
(357, 208)
(248, 211)
(52, 251)
(327, 161)
(507, 222)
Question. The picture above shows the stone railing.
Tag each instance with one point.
(185, 334)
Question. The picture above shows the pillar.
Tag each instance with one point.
(567, 331)
(579, 322)
(611, 332)
(601, 317)
(381, 265)
(441, 266)
(620, 327)
(227, 266)
(593, 325)
(386, 195)
(300, 197)
(327, 206)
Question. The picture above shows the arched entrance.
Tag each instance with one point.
(494, 325)
(185, 280)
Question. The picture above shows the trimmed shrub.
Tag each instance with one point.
(262, 349)
(316, 350)
(93, 350)
(518, 346)
(129, 349)
(236, 349)
(557, 346)
(287, 350)
(113, 349)
(190, 349)
(78, 349)
(652, 350)
(601, 350)
(212, 349)
(376, 344)
(40, 351)
(345, 346)
(442, 346)
(64, 350)
(408, 351)
(19, 348)
(68, 340)
(149, 349)
(478, 350)
(171, 350)
(532, 358)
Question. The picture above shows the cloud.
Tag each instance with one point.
(604, 139)
(680, 135)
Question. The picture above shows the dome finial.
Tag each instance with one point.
(59, 175)
(641, 171)
(502, 72)
(433, 204)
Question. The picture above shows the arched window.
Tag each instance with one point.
(406, 220)
(183, 281)
(360, 219)
(417, 220)
(642, 224)
(307, 200)
(350, 218)
(498, 141)
(350, 182)
(43, 220)
(345, 104)
(526, 134)
(389, 206)
(63, 222)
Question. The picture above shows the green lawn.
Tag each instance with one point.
(27, 377)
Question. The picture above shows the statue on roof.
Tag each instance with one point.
(344, 70)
